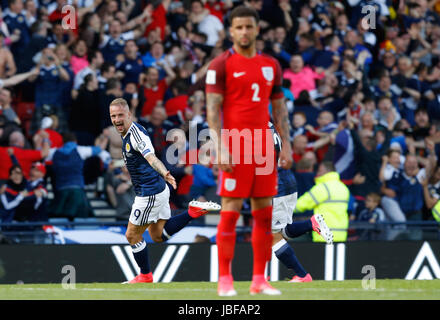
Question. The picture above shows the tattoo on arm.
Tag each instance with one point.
(281, 119)
(156, 164)
(213, 106)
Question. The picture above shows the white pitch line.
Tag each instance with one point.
(208, 290)
(104, 289)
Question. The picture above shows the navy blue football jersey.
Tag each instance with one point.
(136, 145)
(286, 178)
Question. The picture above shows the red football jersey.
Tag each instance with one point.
(152, 96)
(247, 85)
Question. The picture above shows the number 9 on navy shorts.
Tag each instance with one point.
(150, 209)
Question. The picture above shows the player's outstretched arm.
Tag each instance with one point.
(280, 120)
(158, 165)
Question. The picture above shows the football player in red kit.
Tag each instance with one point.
(240, 84)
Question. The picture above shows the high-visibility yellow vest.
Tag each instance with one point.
(436, 211)
(328, 197)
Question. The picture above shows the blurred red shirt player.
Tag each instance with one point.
(240, 84)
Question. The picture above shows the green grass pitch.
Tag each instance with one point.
(316, 290)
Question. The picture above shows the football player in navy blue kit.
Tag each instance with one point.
(282, 225)
(151, 209)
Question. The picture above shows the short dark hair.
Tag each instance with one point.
(15, 166)
(243, 11)
(106, 66)
(328, 165)
(92, 55)
(421, 109)
(375, 196)
(69, 137)
(112, 84)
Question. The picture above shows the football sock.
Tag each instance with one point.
(285, 253)
(261, 239)
(226, 241)
(140, 253)
(297, 228)
(175, 224)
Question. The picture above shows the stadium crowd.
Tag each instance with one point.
(361, 86)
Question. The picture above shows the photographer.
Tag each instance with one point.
(48, 89)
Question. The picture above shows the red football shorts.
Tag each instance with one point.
(245, 181)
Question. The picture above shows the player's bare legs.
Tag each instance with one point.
(226, 237)
(261, 244)
(156, 230)
(277, 237)
(134, 235)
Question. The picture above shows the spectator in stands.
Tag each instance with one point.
(176, 105)
(152, 90)
(50, 126)
(157, 128)
(60, 35)
(384, 88)
(300, 76)
(372, 213)
(90, 30)
(6, 128)
(403, 199)
(422, 124)
(24, 156)
(326, 126)
(18, 24)
(206, 23)
(5, 106)
(34, 205)
(70, 200)
(155, 57)
(48, 90)
(63, 54)
(80, 57)
(367, 122)
(176, 159)
(87, 128)
(112, 91)
(107, 72)
(368, 159)
(130, 63)
(37, 43)
(120, 190)
(113, 44)
(7, 63)
(386, 112)
(392, 163)
(301, 146)
(12, 193)
(95, 61)
(298, 124)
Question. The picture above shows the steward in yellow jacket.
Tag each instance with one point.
(328, 197)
